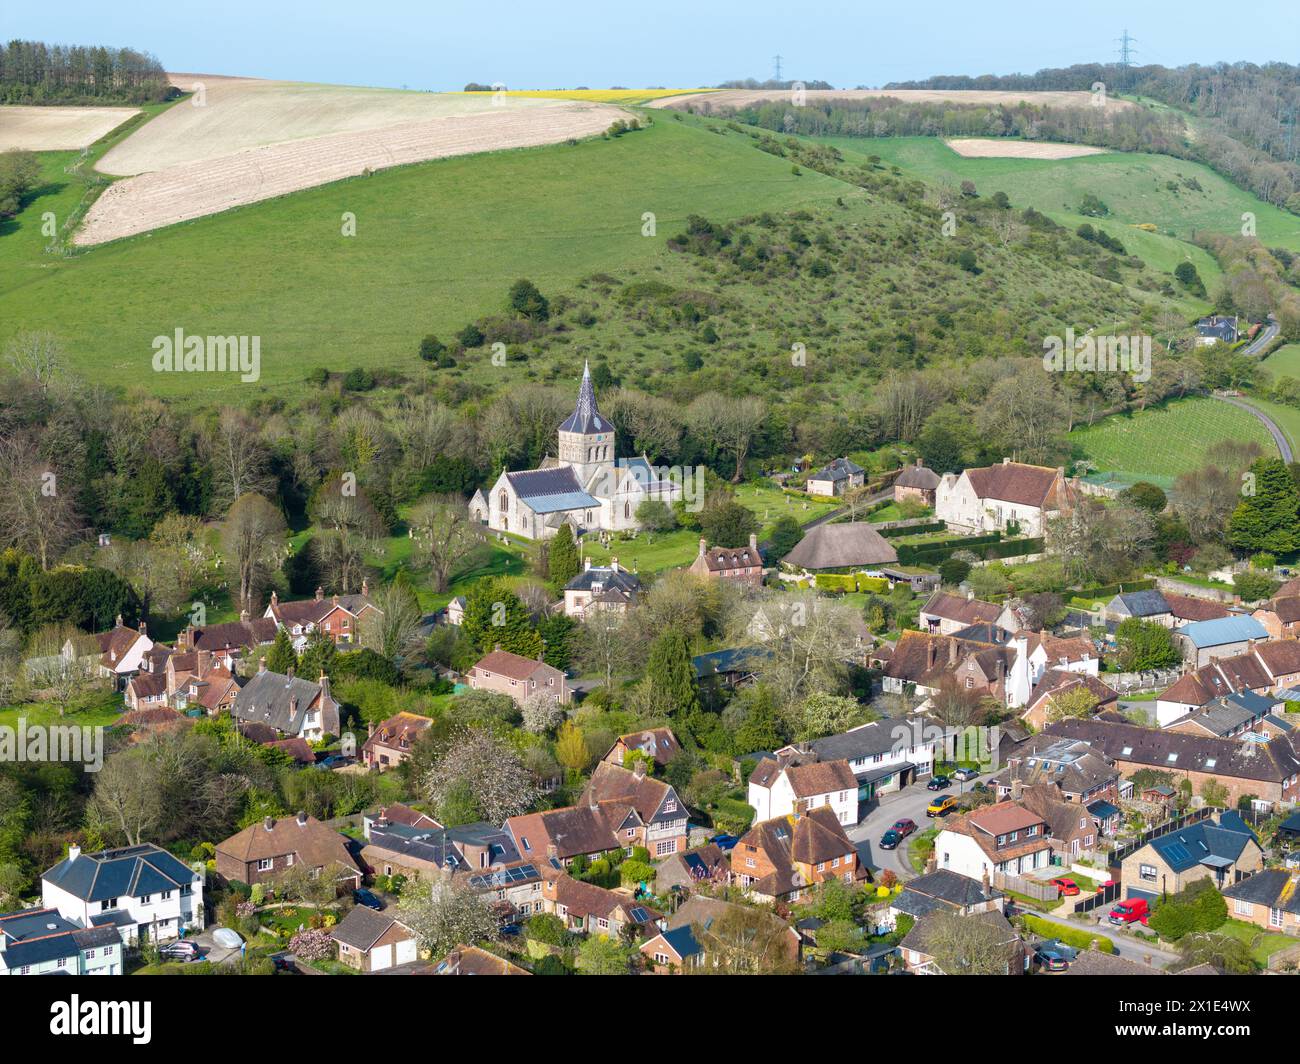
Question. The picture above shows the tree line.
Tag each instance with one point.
(33, 72)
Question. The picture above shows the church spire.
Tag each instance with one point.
(585, 416)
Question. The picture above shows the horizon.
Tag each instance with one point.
(400, 44)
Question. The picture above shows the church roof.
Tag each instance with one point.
(585, 416)
(548, 490)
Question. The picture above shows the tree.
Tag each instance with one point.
(962, 946)
(604, 642)
(727, 424)
(1144, 646)
(127, 804)
(528, 302)
(728, 523)
(1253, 586)
(495, 616)
(1267, 518)
(445, 535)
(393, 625)
(824, 714)
(252, 541)
(541, 713)
(953, 571)
(282, 657)
(1214, 793)
(801, 642)
(19, 172)
(562, 560)
(571, 748)
(446, 914)
(491, 773)
(746, 940)
(654, 515)
(1147, 496)
(953, 705)
(783, 538)
(1186, 275)
(670, 672)
(1230, 955)
(601, 955)
(37, 510)
(62, 664)
(239, 458)
(1077, 702)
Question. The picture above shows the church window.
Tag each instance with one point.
(505, 502)
(627, 509)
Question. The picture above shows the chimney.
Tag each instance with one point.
(541, 653)
(586, 564)
(244, 617)
(952, 652)
(370, 729)
(365, 587)
(931, 653)
(1017, 789)
(920, 462)
(335, 600)
(753, 541)
(142, 628)
(970, 594)
(497, 648)
(289, 672)
(186, 639)
(74, 852)
(324, 683)
(268, 823)
(381, 821)
(275, 598)
(704, 547)
(1006, 461)
(118, 622)
(638, 770)
(204, 662)
(320, 592)
(984, 878)
(551, 852)
(301, 818)
(613, 564)
(261, 664)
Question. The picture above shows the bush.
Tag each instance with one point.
(874, 584)
(834, 582)
(631, 872)
(547, 928)
(1069, 935)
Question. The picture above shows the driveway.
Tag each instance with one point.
(211, 951)
(1127, 945)
(908, 803)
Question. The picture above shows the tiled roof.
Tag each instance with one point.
(363, 927)
(917, 476)
(504, 663)
(1026, 485)
(959, 608)
(314, 844)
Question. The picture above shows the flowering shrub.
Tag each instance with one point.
(313, 945)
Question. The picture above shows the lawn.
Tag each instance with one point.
(1287, 418)
(101, 711)
(1261, 943)
(1284, 362)
(1159, 443)
(436, 245)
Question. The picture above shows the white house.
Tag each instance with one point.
(1046, 651)
(586, 487)
(140, 890)
(836, 478)
(1005, 837)
(790, 785)
(1010, 497)
(42, 942)
(121, 649)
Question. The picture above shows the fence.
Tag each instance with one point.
(1192, 816)
(1028, 887)
(1127, 683)
(1105, 896)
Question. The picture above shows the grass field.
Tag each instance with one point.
(100, 711)
(436, 244)
(1287, 418)
(1159, 443)
(1284, 362)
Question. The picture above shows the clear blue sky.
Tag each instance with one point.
(442, 44)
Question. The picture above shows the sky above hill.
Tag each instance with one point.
(442, 44)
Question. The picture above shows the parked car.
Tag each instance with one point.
(1067, 887)
(1130, 911)
(181, 950)
(938, 783)
(725, 842)
(941, 806)
(284, 962)
(226, 938)
(904, 827)
(368, 899)
(965, 774)
(1054, 956)
(890, 840)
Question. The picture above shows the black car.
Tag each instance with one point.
(369, 900)
(938, 783)
(890, 840)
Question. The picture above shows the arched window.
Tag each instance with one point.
(627, 509)
(588, 517)
(505, 502)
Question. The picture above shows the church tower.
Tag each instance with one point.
(587, 438)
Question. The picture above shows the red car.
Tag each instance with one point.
(1067, 887)
(1130, 911)
(904, 827)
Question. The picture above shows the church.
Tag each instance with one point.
(586, 487)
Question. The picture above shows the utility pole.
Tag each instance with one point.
(1126, 53)
(776, 62)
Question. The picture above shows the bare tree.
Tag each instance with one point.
(953, 705)
(62, 664)
(37, 356)
(445, 535)
(239, 457)
(603, 643)
(252, 541)
(37, 512)
(127, 802)
(964, 946)
(391, 627)
(728, 424)
(804, 643)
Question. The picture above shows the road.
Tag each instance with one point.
(1267, 335)
(1126, 946)
(1274, 430)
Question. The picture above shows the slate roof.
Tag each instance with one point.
(737, 659)
(1223, 630)
(682, 941)
(1218, 327)
(917, 476)
(547, 491)
(839, 469)
(38, 936)
(952, 888)
(1073, 766)
(278, 700)
(1206, 843)
(842, 546)
(1274, 887)
(606, 576)
(585, 416)
(363, 927)
(1144, 603)
(1230, 714)
(864, 741)
(1026, 485)
(128, 872)
(1269, 762)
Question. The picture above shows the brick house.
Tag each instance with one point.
(1225, 851)
(371, 942)
(916, 482)
(510, 674)
(338, 616)
(589, 909)
(945, 614)
(688, 871)
(659, 743)
(389, 744)
(1268, 899)
(640, 810)
(730, 563)
(1280, 617)
(1076, 770)
(785, 858)
(263, 852)
(1061, 683)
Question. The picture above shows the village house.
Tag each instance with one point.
(642, 811)
(1280, 617)
(139, 890)
(730, 563)
(843, 545)
(372, 942)
(884, 756)
(836, 478)
(1266, 668)
(587, 487)
(588, 909)
(1225, 637)
(40, 941)
(200, 680)
(396, 813)
(918, 949)
(1268, 899)
(1055, 684)
(471, 960)
(1010, 497)
(659, 744)
(1225, 851)
(338, 616)
(389, 744)
(512, 674)
(785, 858)
(789, 784)
(602, 587)
(1078, 772)
(230, 639)
(1188, 608)
(700, 914)
(293, 707)
(1149, 606)
(705, 866)
(945, 614)
(1216, 329)
(942, 890)
(120, 651)
(1229, 717)
(1266, 770)
(916, 483)
(265, 851)
(1006, 838)
(673, 952)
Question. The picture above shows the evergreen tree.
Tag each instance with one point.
(494, 615)
(281, 657)
(670, 671)
(317, 656)
(562, 559)
(1267, 517)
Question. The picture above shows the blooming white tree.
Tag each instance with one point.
(542, 713)
(445, 914)
(480, 766)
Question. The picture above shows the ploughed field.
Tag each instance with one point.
(57, 128)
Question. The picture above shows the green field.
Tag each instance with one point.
(1159, 443)
(1284, 362)
(437, 244)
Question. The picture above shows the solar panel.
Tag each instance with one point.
(639, 914)
(1177, 852)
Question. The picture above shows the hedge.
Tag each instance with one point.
(1069, 935)
(1108, 591)
(877, 584)
(835, 582)
(985, 547)
(913, 530)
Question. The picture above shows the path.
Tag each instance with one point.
(1274, 429)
